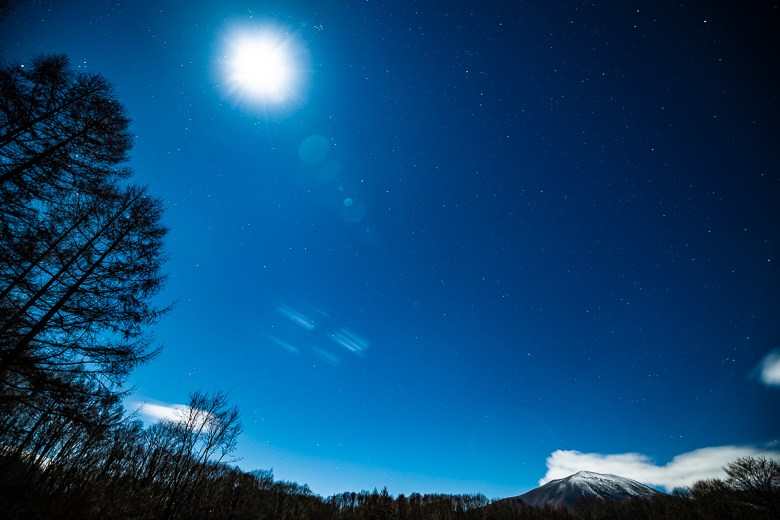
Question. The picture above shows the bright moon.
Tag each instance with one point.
(261, 67)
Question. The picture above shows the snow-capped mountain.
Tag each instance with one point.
(565, 492)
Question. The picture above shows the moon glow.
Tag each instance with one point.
(261, 67)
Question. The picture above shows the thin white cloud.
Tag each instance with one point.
(152, 412)
(284, 344)
(683, 470)
(326, 356)
(768, 370)
(157, 412)
(296, 317)
(351, 341)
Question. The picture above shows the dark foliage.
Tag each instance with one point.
(126, 472)
(7, 6)
(81, 251)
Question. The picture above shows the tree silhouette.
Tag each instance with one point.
(80, 253)
(205, 431)
(758, 481)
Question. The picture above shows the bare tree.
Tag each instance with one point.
(758, 478)
(206, 431)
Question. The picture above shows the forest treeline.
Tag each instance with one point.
(155, 473)
(81, 256)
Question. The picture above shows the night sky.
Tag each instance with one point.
(465, 246)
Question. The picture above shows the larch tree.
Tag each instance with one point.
(81, 250)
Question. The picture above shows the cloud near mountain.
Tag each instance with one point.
(682, 470)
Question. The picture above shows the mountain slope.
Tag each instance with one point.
(565, 492)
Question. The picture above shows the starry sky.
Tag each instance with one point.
(466, 246)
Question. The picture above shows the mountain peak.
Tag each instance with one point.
(590, 475)
(565, 492)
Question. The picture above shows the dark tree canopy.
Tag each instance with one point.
(81, 251)
(758, 479)
(61, 129)
(6, 6)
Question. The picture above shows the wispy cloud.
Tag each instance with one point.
(296, 317)
(326, 356)
(152, 412)
(284, 344)
(683, 470)
(351, 341)
(156, 411)
(768, 370)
